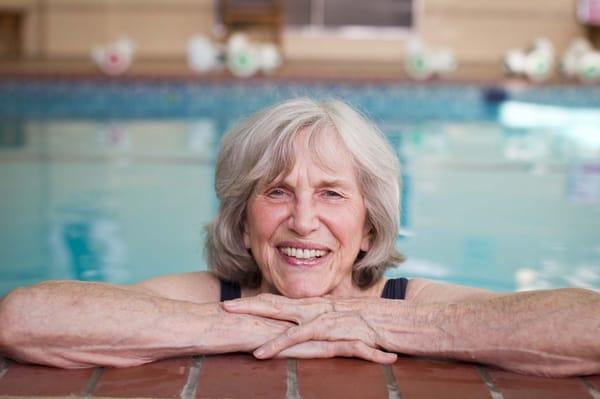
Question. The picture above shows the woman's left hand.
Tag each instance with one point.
(318, 319)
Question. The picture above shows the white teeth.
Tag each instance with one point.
(300, 253)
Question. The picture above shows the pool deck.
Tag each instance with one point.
(241, 376)
(297, 70)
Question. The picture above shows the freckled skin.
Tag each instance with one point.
(316, 205)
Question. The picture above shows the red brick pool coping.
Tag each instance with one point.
(241, 376)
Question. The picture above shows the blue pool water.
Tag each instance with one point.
(113, 181)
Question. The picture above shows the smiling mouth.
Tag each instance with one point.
(303, 254)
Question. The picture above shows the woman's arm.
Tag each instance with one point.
(552, 333)
(76, 324)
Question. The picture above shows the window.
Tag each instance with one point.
(331, 14)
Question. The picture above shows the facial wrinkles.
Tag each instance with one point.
(309, 216)
(307, 213)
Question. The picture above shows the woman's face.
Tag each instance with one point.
(306, 230)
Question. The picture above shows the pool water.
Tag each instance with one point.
(110, 181)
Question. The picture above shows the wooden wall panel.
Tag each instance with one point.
(160, 28)
(160, 33)
(71, 31)
(482, 31)
(479, 31)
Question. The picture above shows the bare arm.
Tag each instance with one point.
(75, 324)
(553, 333)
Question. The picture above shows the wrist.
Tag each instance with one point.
(223, 332)
(416, 329)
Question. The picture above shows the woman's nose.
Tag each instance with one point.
(304, 217)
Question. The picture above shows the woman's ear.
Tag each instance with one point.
(365, 243)
(246, 239)
(246, 236)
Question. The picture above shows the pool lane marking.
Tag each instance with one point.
(489, 382)
(4, 365)
(90, 386)
(591, 389)
(293, 391)
(191, 385)
(390, 382)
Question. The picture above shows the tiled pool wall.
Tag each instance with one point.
(130, 99)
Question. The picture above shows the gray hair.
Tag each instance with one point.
(262, 148)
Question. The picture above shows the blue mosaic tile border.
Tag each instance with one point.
(389, 102)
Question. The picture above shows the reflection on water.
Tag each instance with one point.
(111, 201)
(201, 138)
(489, 201)
(505, 203)
(90, 248)
(12, 133)
(584, 183)
(552, 274)
(114, 135)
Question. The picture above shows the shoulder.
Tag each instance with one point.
(425, 291)
(198, 287)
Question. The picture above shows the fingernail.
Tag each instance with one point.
(260, 352)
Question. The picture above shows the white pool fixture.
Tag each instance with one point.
(581, 61)
(569, 63)
(114, 58)
(242, 57)
(417, 60)
(444, 61)
(245, 58)
(514, 61)
(423, 62)
(237, 42)
(202, 54)
(589, 69)
(536, 62)
(269, 56)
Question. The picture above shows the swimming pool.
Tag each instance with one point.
(113, 181)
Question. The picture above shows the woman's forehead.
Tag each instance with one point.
(324, 155)
(324, 147)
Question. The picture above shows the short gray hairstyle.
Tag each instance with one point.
(261, 149)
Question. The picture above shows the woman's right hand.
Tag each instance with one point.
(229, 332)
(244, 333)
(327, 349)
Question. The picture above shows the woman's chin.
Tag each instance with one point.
(299, 290)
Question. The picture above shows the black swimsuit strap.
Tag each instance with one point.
(230, 290)
(395, 288)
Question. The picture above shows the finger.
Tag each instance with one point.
(271, 306)
(361, 350)
(329, 327)
(309, 350)
(326, 349)
(292, 336)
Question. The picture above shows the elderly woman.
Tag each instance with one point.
(305, 231)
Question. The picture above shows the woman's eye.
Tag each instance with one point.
(276, 192)
(332, 194)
